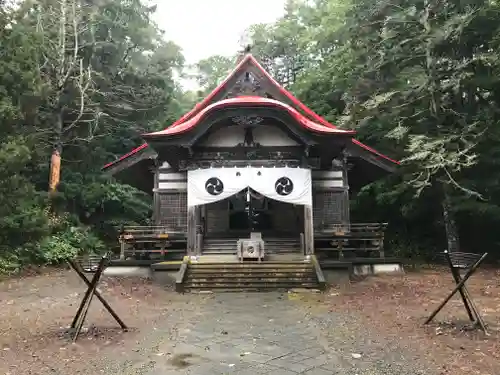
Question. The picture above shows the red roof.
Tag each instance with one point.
(243, 101)
(312, 119)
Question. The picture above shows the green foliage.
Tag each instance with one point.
(419, 81)
(89, 91)
(67, 244)
(211, 71)
(22, 218)
(105, 205)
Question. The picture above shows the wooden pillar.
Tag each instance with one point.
(346, 215)
(199, 243)
(156, 198)
(194, 236)
(199, 231)
(122, 249)
(308, 230)
(302, 244)
(191, 231)
(346, 211)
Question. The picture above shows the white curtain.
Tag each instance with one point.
(214, 184)
(290, 185)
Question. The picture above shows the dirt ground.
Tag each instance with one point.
(397, 306)
(35, 311)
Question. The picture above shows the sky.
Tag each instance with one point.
(208, 27)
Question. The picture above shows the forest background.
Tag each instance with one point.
(418, 80)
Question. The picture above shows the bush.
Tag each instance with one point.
(67, 244)
(23, 220)
(30, 233)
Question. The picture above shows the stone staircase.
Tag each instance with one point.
(273, 246)
(224, 273)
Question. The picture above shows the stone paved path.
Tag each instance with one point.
(252, 334)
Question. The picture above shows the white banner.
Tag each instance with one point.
(214, 184)
(290, 185)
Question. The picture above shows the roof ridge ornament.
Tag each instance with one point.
(247, 84)
(246, 42)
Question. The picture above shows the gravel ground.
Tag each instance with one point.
(37, 310)
(364, 349)
(205, 334)
(396, 307)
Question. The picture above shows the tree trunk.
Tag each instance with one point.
(449, 222)
(55, 171)
(55, 160)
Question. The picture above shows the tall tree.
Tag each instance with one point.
(211, 71)
(280, 46)
(415, 79)
(120, 69)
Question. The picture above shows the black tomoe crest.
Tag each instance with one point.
(283, 186)
(214, 186)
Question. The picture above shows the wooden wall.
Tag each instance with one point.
(330, 199)
(173, 211)
(170, 198)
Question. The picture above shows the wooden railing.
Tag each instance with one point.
(352, 240)
(138, 233)
(147, 240)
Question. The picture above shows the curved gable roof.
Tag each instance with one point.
(243, 101)
(249, 61)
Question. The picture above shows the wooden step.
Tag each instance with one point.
(272, 245)
(219, 251)
(268, 240)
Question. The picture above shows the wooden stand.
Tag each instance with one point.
(81, 313)
(471, 263)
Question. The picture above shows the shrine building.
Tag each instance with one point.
(250, 161)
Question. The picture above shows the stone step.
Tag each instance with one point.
(245, 290)
(247, 279)
(234, 275)
(226, 273)
(244, 277)
(242, 287)
(256, 272)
